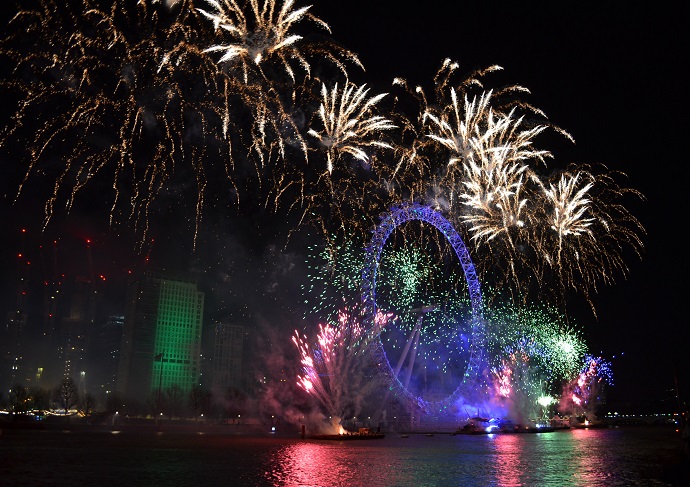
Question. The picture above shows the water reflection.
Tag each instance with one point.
(593, 461)
(578, 457)
(607, 457)
(308, 463)
(508, 460)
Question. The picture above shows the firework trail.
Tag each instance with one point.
(112, 93)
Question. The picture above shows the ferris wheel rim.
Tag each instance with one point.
(396, 216)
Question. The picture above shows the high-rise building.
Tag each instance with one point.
(161, 342)
(228, 348)
(11, 358)
(76, 329)
(13, 367)
(105, 356)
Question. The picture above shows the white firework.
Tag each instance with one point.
(349, 123)
(264, 34)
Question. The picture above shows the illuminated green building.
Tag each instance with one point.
(161, 343)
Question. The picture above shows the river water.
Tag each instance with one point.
(598, 457)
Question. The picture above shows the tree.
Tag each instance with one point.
(174, 399)
(199, 401)
(18, 399)
(66, 395)
(87, 405)
(40, 398)
(114, 403)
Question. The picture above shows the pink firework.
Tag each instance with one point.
(584, 391)
(502, 380)
(334, 371)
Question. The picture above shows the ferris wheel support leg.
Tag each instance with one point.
(413, 357)
(406, 350)
(398, 367)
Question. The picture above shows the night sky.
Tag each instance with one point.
(610, 75)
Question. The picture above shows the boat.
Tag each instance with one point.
(591, 425)
(485, 426)
(558, 423)
(348, 437)
(478, 426)
(582, 422)
(361, 434)
(520, 429)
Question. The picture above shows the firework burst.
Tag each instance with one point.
(518, 381)
(540, 332)
(334, 278)
(349, 124)
(262, 52)
(438, 137)
(129, 95)
(471, 152)
(586, 228)
(342, 194)
(266, 35)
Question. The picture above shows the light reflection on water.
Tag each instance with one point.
(608, 457)
(578, 458)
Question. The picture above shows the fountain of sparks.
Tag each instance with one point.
(335, 369)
